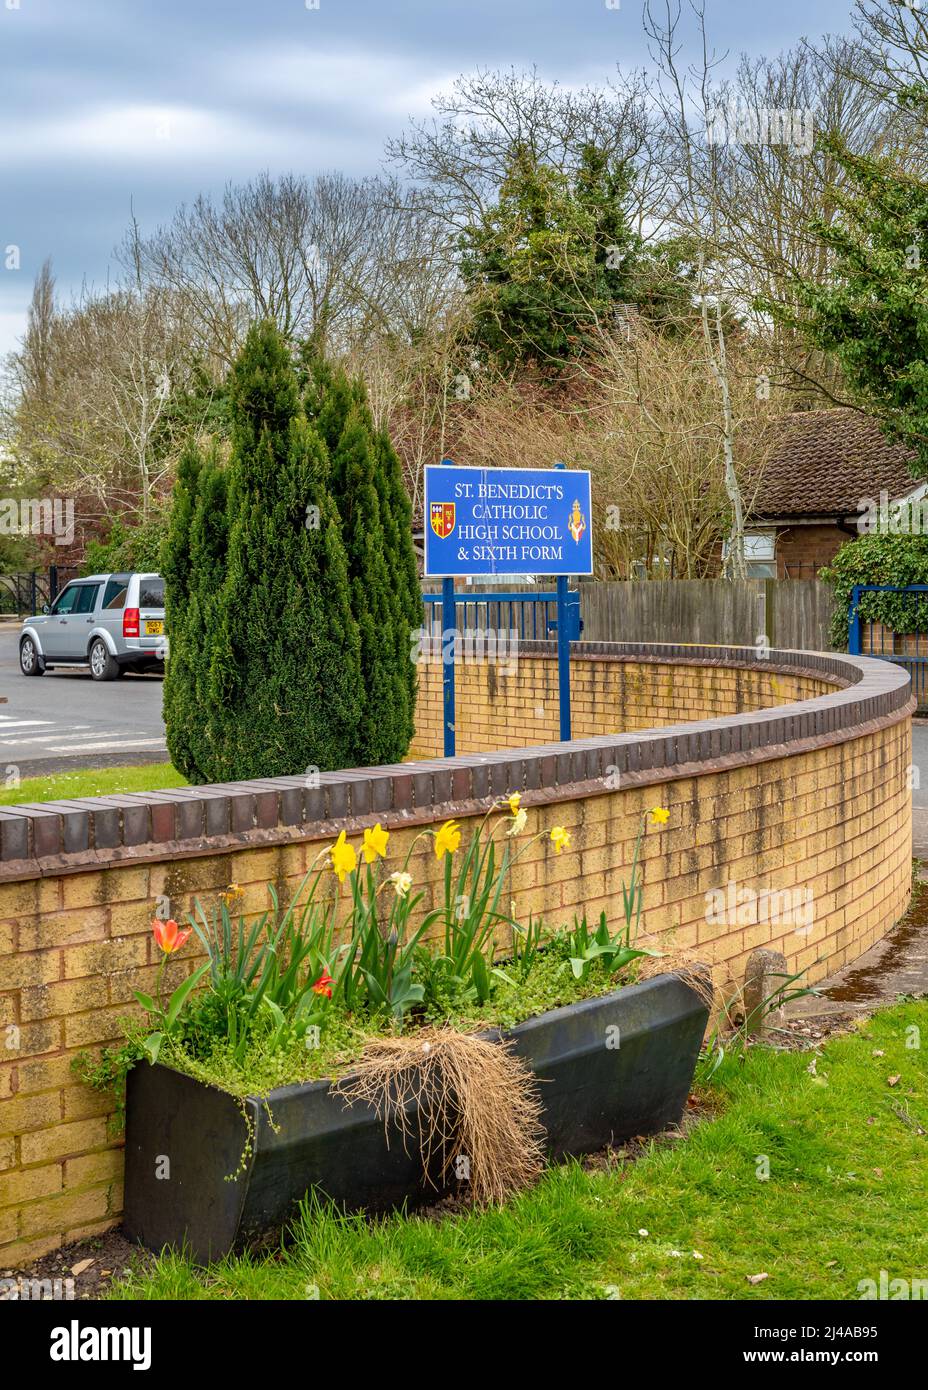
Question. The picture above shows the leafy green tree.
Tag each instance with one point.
(126, 547)
(872, 314)
(551, 260)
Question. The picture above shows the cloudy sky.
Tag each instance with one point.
(108, 105)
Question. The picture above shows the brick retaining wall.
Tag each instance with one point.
(811, 794)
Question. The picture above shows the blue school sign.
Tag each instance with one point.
(507, 521)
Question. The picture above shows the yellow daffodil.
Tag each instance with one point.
(447, 839)
(401, 884)
(660, 815)
(343, 857)
(560, 838)
(375, 843)
(518, 822)
(514, 802)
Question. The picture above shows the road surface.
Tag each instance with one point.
(64, 720)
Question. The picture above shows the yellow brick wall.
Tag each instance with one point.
(73, 947)
(607, 696)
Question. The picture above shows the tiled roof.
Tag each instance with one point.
(824, 462)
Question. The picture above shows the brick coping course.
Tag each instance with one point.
(45, 838)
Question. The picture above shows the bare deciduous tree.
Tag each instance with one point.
(460, 157)
(334, 259)
(93, 385)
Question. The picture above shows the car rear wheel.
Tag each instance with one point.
(30, 663)
(103, 667)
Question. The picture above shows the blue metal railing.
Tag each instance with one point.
(907, 648)
(529, 617)
(532, 616)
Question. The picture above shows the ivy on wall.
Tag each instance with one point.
(879, 559)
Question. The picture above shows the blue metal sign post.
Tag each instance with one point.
(485, 521)
(448, 625)
(563, 647)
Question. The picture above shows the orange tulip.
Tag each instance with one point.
(169, 936)
(324, 985)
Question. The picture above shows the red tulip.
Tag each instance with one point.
(324, 985)
(169, 936)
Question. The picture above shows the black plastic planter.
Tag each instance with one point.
(609, 1068)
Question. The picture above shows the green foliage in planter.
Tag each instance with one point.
(878, 559)
(549, 984)
(294, 994)
(108, 1071)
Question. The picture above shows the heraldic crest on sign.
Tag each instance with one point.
(441, 515)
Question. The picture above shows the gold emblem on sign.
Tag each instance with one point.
(577, 523)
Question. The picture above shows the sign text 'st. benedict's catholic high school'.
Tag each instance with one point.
(507, 521)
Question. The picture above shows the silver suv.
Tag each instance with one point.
(111, 623)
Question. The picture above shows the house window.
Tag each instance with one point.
(760, 556)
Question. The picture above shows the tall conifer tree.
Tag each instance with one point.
(367, 484)
(267, 649)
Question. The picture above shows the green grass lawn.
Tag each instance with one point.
(847, 1196)
(101, 781)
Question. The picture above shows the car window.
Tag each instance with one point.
(86, 599)
(114, 595)
(151, 593)
(64, 603)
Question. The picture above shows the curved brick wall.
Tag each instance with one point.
(518, 700)
(787, 776)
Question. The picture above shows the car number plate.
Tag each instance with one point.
(153, 628)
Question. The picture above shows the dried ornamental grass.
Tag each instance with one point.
(465, 1098)
(693, 971)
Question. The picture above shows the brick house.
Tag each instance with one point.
(825, 468)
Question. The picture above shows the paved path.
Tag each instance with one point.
(898, 964)
(920, 793)
(66, 720)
